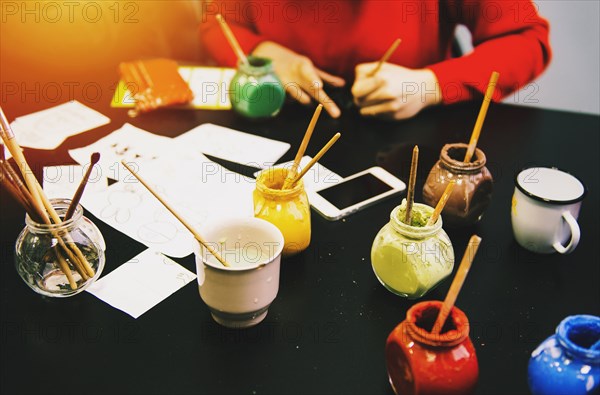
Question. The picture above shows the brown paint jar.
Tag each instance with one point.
(473, 190)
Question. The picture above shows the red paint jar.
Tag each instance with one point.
(419, 362)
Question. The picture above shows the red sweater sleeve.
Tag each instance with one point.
(508, 37)
(212, 36)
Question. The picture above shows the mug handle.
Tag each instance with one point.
(575, 234)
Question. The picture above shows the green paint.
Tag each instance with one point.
(256, 90)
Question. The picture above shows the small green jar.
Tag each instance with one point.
(410, 260)
(256, 92)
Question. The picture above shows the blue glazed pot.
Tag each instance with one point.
(568, 362)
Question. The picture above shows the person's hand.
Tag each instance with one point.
(300, 78)
(395, 92)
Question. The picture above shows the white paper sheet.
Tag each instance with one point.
(197, 188)
(127, 143)
(141, 283)
(317, 178)
(209, 85)
(234, 145)
(63, 181)
(47, 129)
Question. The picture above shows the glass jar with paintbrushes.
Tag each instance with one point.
(412, 254)
(281, 199)
(60, 252)
(63, 259)
(465, 165)
(256, 91)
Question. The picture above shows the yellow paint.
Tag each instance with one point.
(288, 209)
(514, 204)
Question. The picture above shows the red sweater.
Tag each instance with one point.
(509, 37)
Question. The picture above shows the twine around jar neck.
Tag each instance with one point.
(415, 232)
(421, 317)
(579, 335)
(256, 66)
(452, 155)
(61, 206)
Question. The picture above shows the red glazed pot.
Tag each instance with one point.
(419, 362)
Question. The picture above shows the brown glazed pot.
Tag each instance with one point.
(472, 192)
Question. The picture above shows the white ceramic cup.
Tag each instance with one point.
(545, 207)
(239, 296)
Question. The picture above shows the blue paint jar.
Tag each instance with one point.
(569, 361)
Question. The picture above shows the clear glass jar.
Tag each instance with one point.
(287, 209)
(411, 260)
(472, 192)
(43, 253)
(256, 90)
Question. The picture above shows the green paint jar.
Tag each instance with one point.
(256, 91)
(410, 260)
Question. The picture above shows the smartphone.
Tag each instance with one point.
(355, 192)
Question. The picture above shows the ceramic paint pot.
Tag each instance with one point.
(568, 362)
(419, 362)
(239, 295)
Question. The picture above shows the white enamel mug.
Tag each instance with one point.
(239, 296)
(545, 207)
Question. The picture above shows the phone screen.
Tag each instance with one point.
(356, 190)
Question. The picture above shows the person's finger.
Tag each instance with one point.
(314, 86)
(393, 109)
(365, 86)
(387, 107)
(328, 104)
(364, 69)
(331, 79)
(382, 94)
(296, 92)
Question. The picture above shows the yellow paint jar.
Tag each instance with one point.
(287, 209)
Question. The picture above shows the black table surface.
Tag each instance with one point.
(326, 330)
